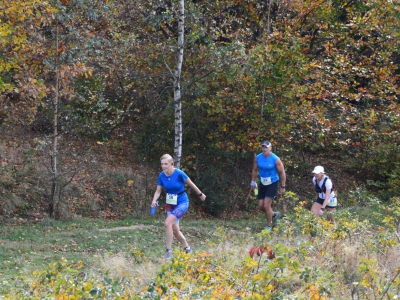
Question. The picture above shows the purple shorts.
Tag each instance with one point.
(177, 210)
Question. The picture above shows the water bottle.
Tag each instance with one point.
(153, 209)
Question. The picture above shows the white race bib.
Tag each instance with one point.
(332, 201)
(172, 199)
(266, 180)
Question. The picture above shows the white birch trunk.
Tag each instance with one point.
(177, 86)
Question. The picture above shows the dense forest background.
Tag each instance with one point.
(87, 110)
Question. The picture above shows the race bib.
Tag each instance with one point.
(332, 201)
(266, 180)
(172, 199)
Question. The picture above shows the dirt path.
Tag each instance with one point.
(140, 226)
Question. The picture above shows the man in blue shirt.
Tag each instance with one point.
(271, 172)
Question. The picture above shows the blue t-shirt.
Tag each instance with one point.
(267, 167)
(174, 184)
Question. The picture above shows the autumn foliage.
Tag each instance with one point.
(319, 79)
(87, 84)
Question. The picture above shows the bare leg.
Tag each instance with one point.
(330, 215)
(265, 206)
(178, 234)
(169, 233)
(315, 208)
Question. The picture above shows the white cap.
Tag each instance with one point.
(318, 169)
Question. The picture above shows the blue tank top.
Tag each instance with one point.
(267, 168)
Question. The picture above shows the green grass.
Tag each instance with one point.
(133, 248)
(32, 246)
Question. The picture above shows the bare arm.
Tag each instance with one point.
(156, 195)
(327, 196)
(282, 175)
(254, 172)
(196, 189)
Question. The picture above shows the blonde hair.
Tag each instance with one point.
(169, 157)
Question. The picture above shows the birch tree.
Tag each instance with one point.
(177, 86)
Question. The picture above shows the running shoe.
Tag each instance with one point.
(268, 228)
(188, 250)
(276, 217)
(168, 253)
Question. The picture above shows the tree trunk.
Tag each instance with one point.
(177, 87)
(54, 190)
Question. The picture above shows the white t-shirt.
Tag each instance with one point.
(328, 185)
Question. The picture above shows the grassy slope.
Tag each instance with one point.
(133, 248)
(29, 246)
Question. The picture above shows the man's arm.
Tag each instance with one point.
(254, 173)
(282, 174)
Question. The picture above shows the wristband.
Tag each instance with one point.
(201, 194)
(322, 208)
(253, 183)
(283, 187)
